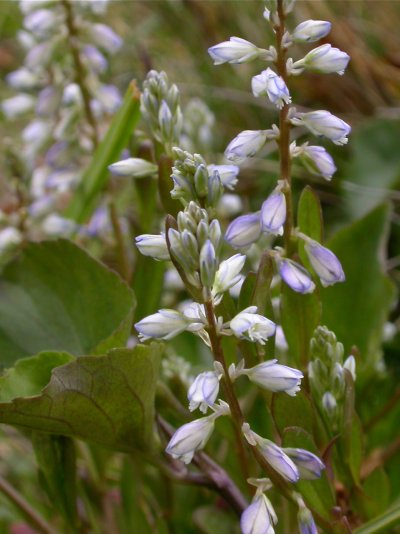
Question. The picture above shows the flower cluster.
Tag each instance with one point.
(61, 81)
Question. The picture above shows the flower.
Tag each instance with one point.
(323, 123)
(104, 37)
(275, 377)
(245, 145)
(318, 161)
(325, 59)
(166, 324)
(203, 391)
(310, 31)
(350, 365)
(190, 438)
(251, 326)
(227, 173)
(10, 238)
(273, 213)
(259, 517)
(325, 263)
(295, 276)
(154, 246)
(228, 274)
(306, 521)
(208, 264)
(244, 230)
(268, 83)
(273, 454)
(236, 50)
(308, 464)
(135, 167)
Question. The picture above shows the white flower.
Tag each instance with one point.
(204, 391)
(56, 226)
(251, 326)
(135, 167)
(311, 31)
(275, 377)
(236, 50)
(325, 263)
(268, 83)
(244, 230)
(227, 174)
(324, 59)
(273, 454)
(228, 274)
(17, 105)
(104, 37)
(154, 246)
(246, 145)
(295, 276)
(318, 161)
(9, 238)
(273, 213)
(41, 21)
(22, 79)
(190, 438)
(165, 324)
(259, 517)
(350, 365)
(323, 123)
(229, 205)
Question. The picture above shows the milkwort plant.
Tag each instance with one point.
(67, 53)
(197, 245)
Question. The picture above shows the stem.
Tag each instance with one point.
(32, 515)
(284, 138)
(80, 74)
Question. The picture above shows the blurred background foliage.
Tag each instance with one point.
(173, 35)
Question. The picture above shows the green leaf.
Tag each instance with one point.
(374, 169)
(318, 493)
(290, 411)
(107, 400)
(381, 524)
(309, 216)
(363, 301)
(109, 150)
(148, 282)
(375, 495)
(300, 315)
(54, 296)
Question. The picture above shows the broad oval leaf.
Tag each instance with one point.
(55, 296)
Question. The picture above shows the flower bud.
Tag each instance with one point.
(350, 365)
(165, 324)
(244, 230)
(306, 521)
(311, 31)
(325, 59)
(229, 205)
(10, 238)
(308, 464)
(259, 517)
(227, 173)
(201, 181)
(318, 161)
(329, 404)
(135, 167)
(215, 189)
(325, 263)
(251, 326)
(208, 264)
(203, 391)
(190, 438)
(275, 377)
(104, 37)
(268, 83)
(215, 232)
(17, 105)
(40, 21)
(22, 79)
(228, 274)
(236, 50)
(273, 213)
(109, 98)
(56, 226)
(94, 58)
(323, 123)
(166, 121)
(245, 145)
(295, 276)
(154, 246)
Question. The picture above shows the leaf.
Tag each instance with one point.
(109, 150)
(210, 519)
(309, 217)
(374, 169)
(375, 497)
(357, 309)
(317, 493)
(292, 411)
(54, 296)
(107, 400)
(300, 315)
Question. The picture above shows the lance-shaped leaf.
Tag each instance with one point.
(107, 400)
(55, 296)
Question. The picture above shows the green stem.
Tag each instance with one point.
(382, 523)
(284, 138)
(32, 515)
